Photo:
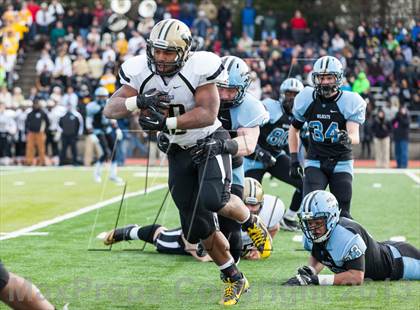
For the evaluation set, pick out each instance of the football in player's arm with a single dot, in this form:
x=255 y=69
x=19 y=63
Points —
x=176 y=93
x=347 y=249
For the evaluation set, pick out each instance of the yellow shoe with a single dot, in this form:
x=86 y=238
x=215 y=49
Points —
x=260 y=236
x=117 y=235
x=233 y=290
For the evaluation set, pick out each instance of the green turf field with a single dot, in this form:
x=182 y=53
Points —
x=126 y=278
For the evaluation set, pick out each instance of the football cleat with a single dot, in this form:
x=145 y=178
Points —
x=288 y=224
x=233 y=290
x=119 y=234
x=260 y=237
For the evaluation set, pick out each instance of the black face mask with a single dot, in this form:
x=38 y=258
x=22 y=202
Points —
x=101 y=102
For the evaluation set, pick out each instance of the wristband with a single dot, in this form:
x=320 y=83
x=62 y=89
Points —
x=131 y=104
x=326 y=279
x=230 y=146
x=294 y=157
x=171 y=123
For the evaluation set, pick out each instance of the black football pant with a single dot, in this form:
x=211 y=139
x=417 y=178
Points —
x=340 y=186
x=199 y=191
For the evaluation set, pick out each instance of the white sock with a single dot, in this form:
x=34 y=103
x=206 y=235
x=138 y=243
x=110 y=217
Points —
x=98 y=167
x=229 y=263
x=291 y=215
x=113 y=172
x=134 y=233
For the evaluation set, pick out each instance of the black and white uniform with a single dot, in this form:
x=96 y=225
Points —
x=270 y=213
x=328 y=161
x=185 y=177
x=350 y=246
x=274 y=139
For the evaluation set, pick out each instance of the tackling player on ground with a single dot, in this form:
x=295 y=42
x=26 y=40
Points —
x=347 y=249
x=171 y=78
x=172 y=241
x=333 y=118
x=271 y=152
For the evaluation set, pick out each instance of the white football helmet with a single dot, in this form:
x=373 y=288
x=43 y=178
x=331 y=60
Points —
x=327 y=65
x=288 y=91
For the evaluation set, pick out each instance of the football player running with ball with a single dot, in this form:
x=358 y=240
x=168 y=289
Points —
x=271 y=152
x=333 y=118
x=347 y=249
x=171 y=78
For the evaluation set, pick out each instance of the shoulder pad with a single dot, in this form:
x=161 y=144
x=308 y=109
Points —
x=274 y=109
x=352 y=106
x=345 y=245
x=208 y=66
x=251 y=112
x=274 y=208
x=131 y=69
x=302 y=102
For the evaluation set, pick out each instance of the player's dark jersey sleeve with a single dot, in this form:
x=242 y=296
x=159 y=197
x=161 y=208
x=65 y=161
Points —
x=357 y=264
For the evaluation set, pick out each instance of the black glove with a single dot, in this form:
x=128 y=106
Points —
x=163 y=142
x=306 y=276
x=296 y=170
x=153 y=99
x=343 y=138
x=208 y=148
x=265 y=157
x=155 y=121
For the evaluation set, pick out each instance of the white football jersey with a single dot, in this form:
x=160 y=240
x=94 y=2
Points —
x=200 y=69
x=271 y=213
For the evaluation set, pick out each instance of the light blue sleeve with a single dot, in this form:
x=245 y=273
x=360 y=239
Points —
x=250 y=113
x=302 y=101
x=274 y=109
x=352 y=106
x=345 y=245
x=307 y=244
x=354 y=248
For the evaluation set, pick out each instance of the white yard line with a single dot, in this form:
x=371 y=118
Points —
x=413 y=176
x=73 y=214
x=34 y=233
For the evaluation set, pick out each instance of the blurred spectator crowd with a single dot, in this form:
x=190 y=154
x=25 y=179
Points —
x=78 y=53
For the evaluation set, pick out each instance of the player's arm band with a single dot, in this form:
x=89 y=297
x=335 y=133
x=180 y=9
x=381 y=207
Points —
x=297 y=124
x=326 y=279
x=231 y=147
x=171 y=123
x=131 y=104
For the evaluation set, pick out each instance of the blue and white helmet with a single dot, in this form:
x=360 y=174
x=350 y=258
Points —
x=290 y=85
x=327 y=65
x=319 y=205
x=101 y=92
x=238 y=77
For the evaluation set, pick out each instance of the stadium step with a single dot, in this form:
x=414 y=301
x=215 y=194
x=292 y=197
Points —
x=27 y=73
